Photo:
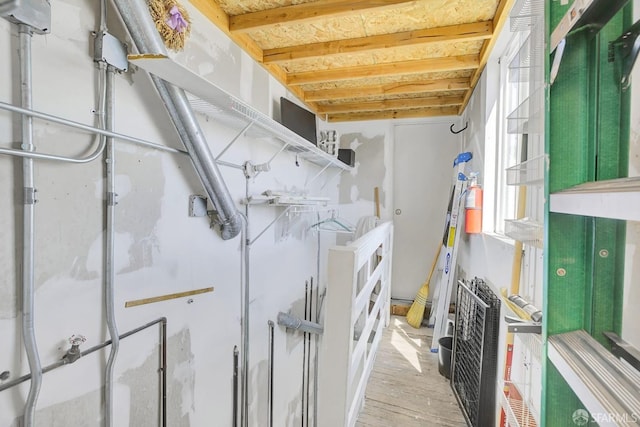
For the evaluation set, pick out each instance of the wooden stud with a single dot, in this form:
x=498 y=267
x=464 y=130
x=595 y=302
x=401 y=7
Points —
x=306 y=12
x=401 y=114
x=391 y=104
x=152 y=300
x=458 y=33
x=399 y=88
x=447 y=63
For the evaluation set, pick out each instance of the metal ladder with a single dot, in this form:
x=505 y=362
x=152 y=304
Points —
x=442 y=294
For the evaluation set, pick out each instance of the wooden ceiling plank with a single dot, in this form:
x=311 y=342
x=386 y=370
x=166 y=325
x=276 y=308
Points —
x=391 y=104
x=399 y=114
x=499 y=20
x=463 y=32
x=447 y=63
x=219 y=18
x=306 y=11
x=388 y=89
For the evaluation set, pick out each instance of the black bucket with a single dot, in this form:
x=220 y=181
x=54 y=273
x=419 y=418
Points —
x=445 y=345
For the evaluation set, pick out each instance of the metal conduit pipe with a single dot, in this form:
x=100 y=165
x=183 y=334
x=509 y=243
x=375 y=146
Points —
x=28 y=230
x=109 y=291
x=293 y=322
x=142 y=29
x=245 y=300
x=76 y=125
x=162 y=369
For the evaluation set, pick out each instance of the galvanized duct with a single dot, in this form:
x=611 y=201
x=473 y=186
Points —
x=136 y=17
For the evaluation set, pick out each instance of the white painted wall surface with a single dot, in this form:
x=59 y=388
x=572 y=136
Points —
x=423 y=176
x=159 y=249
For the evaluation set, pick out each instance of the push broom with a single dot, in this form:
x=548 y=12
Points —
x=416 y=312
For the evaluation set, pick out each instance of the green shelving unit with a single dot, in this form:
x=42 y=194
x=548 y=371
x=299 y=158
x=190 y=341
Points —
x=587 y=140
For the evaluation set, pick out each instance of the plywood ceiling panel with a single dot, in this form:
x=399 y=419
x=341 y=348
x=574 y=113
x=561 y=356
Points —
x=368 y=59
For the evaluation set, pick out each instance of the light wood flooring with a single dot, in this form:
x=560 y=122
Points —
x=405 y=388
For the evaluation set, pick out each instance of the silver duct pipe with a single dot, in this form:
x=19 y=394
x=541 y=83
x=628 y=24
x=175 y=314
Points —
x=28 y=237
x=296 y=323
x=136 y=17
x=109 y=291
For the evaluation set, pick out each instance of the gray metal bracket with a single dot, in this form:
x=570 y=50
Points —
x=627 y=47
x=197 y=206
x=622 y=349
x=516 y=325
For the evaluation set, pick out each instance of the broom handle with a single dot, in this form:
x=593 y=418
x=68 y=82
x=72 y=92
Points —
x=433 y=265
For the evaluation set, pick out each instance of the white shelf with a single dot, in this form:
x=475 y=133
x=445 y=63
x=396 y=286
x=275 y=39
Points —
x=530 y=172
x=213 y=101
x=604 y=384
x=615 y=199
x=526 y=13
x=528 y=116
x=286 y=201
x=526 y=231
x=527 y=63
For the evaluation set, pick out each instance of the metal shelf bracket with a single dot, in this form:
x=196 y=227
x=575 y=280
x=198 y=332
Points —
x=627 y=47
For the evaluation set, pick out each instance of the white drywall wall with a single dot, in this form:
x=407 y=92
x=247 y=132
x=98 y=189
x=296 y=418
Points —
x=159 y=249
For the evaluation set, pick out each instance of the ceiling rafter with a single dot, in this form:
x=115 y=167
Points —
x=439 y=50
x=391 y=104
x=463 y=32
x=446 y=63
x=398 y=114
x=305 y=12
x=409 y=87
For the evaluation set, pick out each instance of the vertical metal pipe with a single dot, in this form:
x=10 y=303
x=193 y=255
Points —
x=235 y=387
x=163 y=373
x=28 y=237
x=309 y=317
x=304 y=348
x=270 y=375
x=245 y=301
x=109 y=291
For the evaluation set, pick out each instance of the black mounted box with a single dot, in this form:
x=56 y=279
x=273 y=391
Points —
x=347 y=155
x=299 y=120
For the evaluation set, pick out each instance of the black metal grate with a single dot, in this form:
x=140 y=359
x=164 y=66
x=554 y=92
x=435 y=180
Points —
x=475 y=350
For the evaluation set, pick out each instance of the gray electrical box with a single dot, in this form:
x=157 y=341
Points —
x=34 y=13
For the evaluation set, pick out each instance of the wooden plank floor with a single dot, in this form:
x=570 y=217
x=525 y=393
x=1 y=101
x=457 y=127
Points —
x=405 y=388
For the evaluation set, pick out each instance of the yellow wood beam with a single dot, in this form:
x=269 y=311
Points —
x=305 y=12
x=391 y=104
x=220 y=19
x=463 y=32
x=399 y=114
x=500 y=18
x=388 y=89
x=431 y=65
x=143 y=301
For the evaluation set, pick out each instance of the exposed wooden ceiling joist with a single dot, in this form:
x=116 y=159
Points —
x=455 y=84
x=368 y=59
x=463 y=32
x=306 y=12
x=391 y=104
x=399 y=114
x=447 y=63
